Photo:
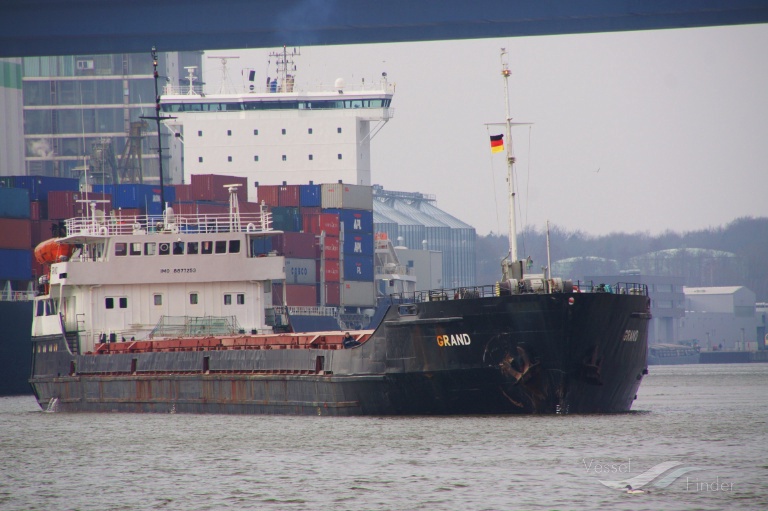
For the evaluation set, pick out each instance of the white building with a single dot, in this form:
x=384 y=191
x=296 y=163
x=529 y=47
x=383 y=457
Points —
x=718 y=316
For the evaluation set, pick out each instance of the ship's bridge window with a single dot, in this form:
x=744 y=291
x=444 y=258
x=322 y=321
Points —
x=234 y=246
x=109 y=303
x=123 y=303
x=221 y=247
x=121 y=249
x=178 y=248
x=135 y=249
x=50 y=308
x=40 y=310
x=165 y=248
x=207 y=248
x=240 y=299
x=158 y=299
x=227 y=299
x=193 y=298
x=192 y=247
x=150 y=248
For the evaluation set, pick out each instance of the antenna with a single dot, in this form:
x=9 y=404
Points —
x=505 y=72
x=158 y=118
x=224 y=71
x=285 y=65
x=191 y=77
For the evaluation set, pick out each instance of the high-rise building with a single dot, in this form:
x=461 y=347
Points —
x=82 y=115
x=11 y=120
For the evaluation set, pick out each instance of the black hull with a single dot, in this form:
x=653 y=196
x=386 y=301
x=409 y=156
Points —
x=497 y=355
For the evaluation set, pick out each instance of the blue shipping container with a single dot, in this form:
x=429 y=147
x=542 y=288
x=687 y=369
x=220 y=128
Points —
x=39 y=186
x=309 y=196
x=358 y=268
x=15 y=264
x=14 y=203
x=137 y=196
x=358 y=243
x=355 y=220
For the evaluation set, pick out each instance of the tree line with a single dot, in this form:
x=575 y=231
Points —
x=732 y=255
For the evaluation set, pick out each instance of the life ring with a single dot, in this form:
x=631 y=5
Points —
x=251 y=227
x=164 y=247
x=103 y=230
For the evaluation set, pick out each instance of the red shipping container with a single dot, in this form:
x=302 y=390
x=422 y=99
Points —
x=42 y=230
x=16 y=233
x=332 y=272
x=310 y=210
x=328 y=222
x=268 y=194
x=332 y=294
x=301 y=295
x=210 y=187
x=250 y=207
x=128 y=212
x=184 y=193
x=200 y=208
x=289 y=196
x=63 y=205
x=330 y=247
x=296 y=244
x=38 y=210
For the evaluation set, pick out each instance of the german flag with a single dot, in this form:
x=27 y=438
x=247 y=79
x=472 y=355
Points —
x=497 y=143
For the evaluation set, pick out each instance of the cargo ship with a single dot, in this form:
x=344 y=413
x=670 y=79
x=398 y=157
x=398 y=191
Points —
x=120 y=327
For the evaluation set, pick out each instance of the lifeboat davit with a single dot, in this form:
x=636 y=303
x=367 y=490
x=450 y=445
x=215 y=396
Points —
x=51 y=251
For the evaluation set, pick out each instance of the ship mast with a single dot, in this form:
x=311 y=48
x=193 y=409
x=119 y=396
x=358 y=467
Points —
x=505 y=72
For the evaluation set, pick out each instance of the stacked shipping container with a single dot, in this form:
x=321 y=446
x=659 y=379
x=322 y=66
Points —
x=25 y=222
x=15 y=236
x=343 y=259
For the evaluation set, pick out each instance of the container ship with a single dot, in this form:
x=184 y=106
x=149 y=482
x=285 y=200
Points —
x=168 y=314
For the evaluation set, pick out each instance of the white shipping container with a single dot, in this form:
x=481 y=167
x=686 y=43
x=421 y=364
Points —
x=359 y=294
x=300 y=271
x=344 y=196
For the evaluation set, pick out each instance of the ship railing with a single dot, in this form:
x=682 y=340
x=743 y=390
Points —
x=470 y=292
x=444 y=294
x=394 y=270
x=155 y=224
x=623 y=288
x=306 y=310
x=17 y=296
x=199 y=90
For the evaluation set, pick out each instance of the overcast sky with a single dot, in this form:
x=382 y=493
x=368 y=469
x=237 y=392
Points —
x=632 y=131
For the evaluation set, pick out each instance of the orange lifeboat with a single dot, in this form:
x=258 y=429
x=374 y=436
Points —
x=51 y=251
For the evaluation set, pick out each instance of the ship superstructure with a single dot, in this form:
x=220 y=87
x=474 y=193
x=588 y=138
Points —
x=117 y=277
x=280 y=132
